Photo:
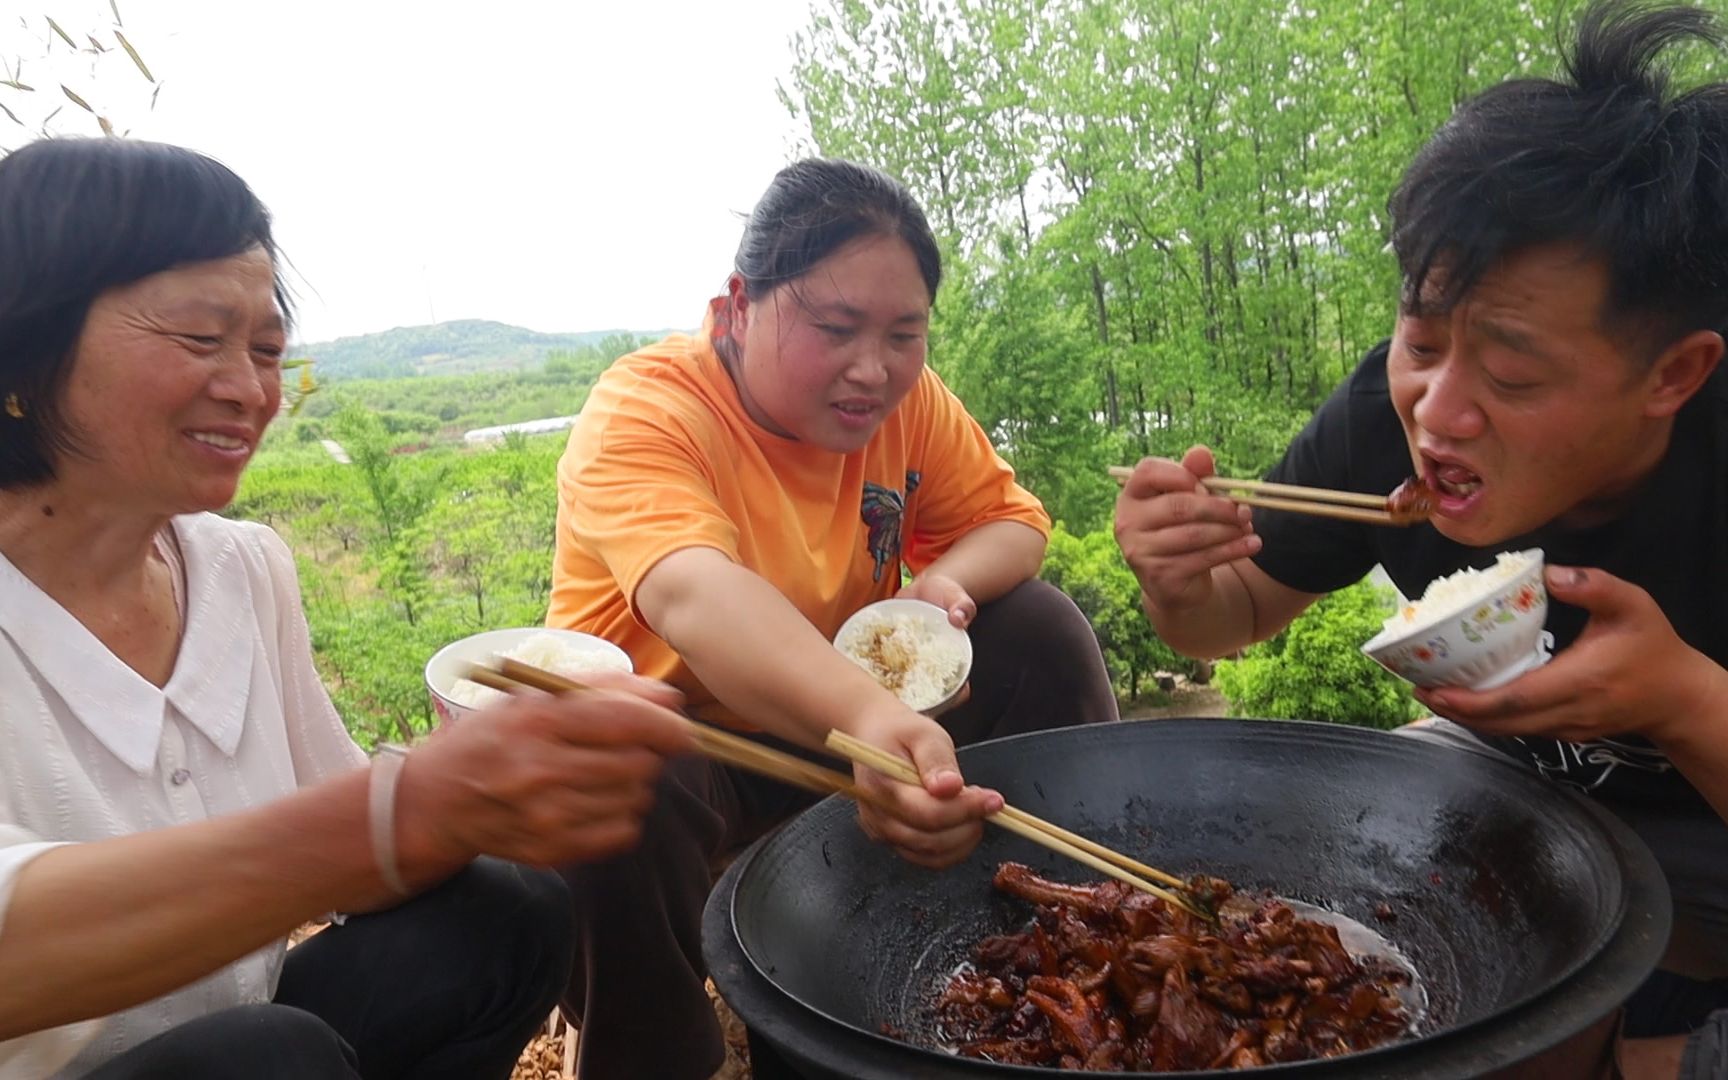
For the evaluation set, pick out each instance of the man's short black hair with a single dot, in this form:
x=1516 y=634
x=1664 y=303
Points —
x=1606 y=158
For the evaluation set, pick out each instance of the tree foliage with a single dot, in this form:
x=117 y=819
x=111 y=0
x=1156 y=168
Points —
x=402 y=553
x=1164 y=218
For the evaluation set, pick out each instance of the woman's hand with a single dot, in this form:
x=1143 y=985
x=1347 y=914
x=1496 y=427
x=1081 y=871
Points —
x=539 y=779
x=935 y=825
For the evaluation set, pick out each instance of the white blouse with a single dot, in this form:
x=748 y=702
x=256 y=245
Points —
x=89 y=749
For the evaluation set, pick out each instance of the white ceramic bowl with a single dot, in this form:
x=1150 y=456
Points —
x=936 y=620
x=1480 y=643
x=447 y=664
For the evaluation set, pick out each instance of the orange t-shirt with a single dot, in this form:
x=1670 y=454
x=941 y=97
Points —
x=664 y=457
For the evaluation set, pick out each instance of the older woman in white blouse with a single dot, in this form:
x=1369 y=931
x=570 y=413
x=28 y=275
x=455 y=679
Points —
x=176 y=791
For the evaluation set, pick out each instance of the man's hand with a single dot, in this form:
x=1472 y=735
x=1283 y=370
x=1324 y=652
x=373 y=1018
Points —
x=1174 y=533
x=1627 y=673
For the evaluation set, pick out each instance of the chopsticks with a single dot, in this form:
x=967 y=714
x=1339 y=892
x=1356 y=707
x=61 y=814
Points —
x=730 y=749
x=1036 y=829
x=711 y=742
x=1321 y=502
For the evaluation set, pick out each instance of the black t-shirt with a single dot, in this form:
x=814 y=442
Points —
x=1672 y=541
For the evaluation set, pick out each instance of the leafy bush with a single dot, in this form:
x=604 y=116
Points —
x=1091 y=571
x=401 y=554
x=1315 y=669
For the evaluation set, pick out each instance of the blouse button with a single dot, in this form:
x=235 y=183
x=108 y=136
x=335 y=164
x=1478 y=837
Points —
x=180 y=776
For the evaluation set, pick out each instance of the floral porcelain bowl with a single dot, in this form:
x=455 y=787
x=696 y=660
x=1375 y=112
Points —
x=1478 y=640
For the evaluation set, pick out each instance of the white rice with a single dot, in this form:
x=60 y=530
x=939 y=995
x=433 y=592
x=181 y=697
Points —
x=548 y=652
x=1445 y=596
x=906 y=656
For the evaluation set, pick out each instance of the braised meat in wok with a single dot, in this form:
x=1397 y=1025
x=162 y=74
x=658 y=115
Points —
x=1112 y=979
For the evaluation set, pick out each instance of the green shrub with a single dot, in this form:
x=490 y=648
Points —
x=1315 y=669
x=1090 y=569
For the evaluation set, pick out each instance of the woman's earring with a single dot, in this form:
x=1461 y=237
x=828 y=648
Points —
x=14 y=407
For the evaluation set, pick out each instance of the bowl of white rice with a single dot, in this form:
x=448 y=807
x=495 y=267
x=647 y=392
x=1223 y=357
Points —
x=1477 y=628
x=569 y=653
x=912 y=649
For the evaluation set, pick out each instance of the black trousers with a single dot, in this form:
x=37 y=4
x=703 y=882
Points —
x=637 y=991
x=450 y=984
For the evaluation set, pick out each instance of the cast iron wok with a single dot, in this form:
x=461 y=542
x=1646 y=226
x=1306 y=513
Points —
x=1501 y=886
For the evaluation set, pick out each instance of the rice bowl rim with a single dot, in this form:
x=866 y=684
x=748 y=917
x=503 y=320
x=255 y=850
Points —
x=934 y=617
x=1386 y=638
x=508 y=637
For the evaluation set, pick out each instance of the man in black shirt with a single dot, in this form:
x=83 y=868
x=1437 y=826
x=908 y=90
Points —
x=1554 y=374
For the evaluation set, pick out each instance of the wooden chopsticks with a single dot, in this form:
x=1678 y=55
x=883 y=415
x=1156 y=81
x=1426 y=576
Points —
x=711 y=742
x=723 y=746
x=1321 y=502
x=1035 y=829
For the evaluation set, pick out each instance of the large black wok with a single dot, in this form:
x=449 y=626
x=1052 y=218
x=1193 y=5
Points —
x=1528 y=912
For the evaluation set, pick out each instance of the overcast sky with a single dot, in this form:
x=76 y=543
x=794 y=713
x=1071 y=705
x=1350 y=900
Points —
x=556 y=165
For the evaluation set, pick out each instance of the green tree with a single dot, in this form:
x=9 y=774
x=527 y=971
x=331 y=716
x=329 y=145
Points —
x=396 y=502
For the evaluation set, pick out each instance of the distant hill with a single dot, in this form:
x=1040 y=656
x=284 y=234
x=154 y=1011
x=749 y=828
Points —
x=447 y=348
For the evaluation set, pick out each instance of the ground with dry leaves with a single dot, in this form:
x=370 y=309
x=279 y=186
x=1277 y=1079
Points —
x=552 y=1054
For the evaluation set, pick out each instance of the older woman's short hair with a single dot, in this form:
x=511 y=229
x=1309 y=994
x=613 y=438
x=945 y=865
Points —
x=79 y=217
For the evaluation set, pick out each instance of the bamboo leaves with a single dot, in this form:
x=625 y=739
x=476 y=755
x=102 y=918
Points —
x=84 y=74
x=133 y=53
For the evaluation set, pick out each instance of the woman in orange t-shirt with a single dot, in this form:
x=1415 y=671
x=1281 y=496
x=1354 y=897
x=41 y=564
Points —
x=726 y=501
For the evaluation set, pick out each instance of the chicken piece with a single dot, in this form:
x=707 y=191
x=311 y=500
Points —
x=1017 y=879
x=1362 y=1003
x=1143 y=915
x=1209 y=892
x=1284 y=1045
x=1412 y=501
x=1241 y=1040
x=1188 y=1033
x=1106 y=1058
x=972 y=988
x=1144 y=1004
x=1089 y=981
x=1271 y=974
x=1010 y=1051
x=1156 y=955
x=1247 y=1058
x=1074 y=1024
x=1230 y=996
